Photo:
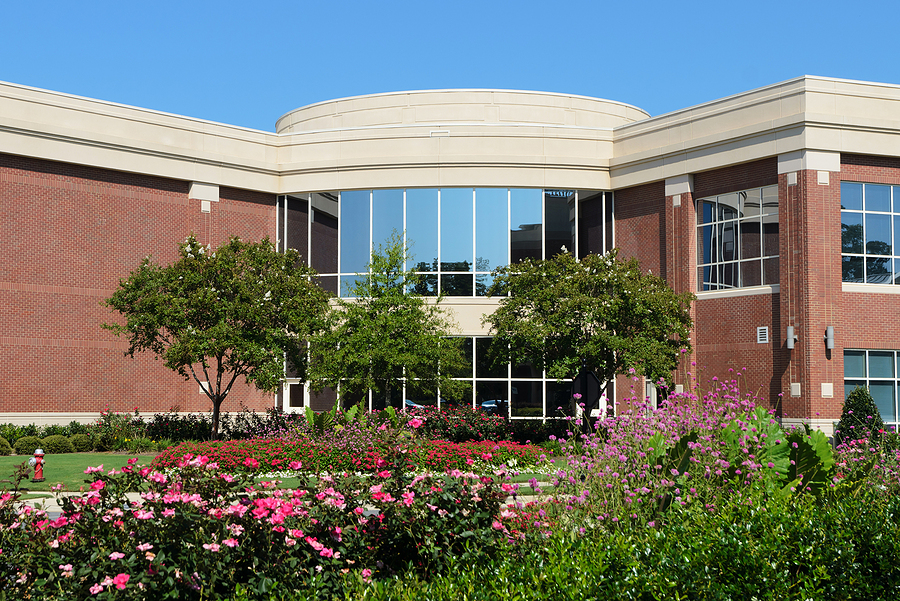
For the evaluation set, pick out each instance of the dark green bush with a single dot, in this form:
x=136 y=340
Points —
x=860 y=418
x=53 y=430
x=78 y=428
x=12 y=432
x=57 y=444
x=26 y=445
x=82 y=443
x=5 y=448
x=179 y=427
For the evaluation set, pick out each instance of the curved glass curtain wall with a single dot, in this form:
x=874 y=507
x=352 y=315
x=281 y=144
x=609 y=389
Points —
x=457 y=236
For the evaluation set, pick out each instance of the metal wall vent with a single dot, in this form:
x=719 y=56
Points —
x=762 y=335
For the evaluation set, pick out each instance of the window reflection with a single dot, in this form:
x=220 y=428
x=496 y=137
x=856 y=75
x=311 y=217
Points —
x=354 y=222
x=422 y=228
x=387 y=215
x=491 y=228
x=559 y=220
x=869 y=233
x=526 y=224
x=456 y=230
x=456 y=236
x=740 y=226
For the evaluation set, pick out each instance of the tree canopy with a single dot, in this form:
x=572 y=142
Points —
x=606 y=314
x=239 y=310
x=386 y=335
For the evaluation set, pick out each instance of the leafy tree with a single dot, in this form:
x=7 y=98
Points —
x=386 y=335
x=215 y=315
x=601 y=313
x=860 y=418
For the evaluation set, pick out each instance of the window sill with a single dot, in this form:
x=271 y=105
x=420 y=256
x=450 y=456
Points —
x=739 y=292
x=870 y=288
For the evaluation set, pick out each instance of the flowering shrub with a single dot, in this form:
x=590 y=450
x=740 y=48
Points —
x=200 y=532
x=703 y=449
x=462 y=423
x=424 y=455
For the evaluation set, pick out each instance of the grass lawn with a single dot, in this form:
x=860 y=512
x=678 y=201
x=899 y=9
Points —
x=67 y=469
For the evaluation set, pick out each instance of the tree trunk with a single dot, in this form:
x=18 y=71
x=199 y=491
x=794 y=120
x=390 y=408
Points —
x=217 y=404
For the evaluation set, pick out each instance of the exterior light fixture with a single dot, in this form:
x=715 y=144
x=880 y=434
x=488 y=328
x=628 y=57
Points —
x=791 y=337
x=829 y=337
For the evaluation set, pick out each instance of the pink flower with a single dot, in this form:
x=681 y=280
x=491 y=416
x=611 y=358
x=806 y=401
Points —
x=132 y=461
x=121 y=580
x=116 y=555
x=167 y=513
x=66 y=569
x=144 y=547
x=415 y=423
x=366 y=573
x=98 y=485
x=326 y=552
x=214 y=547
x=91 y=470
x=295 y=465
x=251 y=462
x=144 y=515
x=97 y=588
x=230 y=542
x=384 y=474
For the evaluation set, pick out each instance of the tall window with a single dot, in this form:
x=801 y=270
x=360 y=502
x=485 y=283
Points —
x=870 y=233
x=737 y=237
x=879 y=371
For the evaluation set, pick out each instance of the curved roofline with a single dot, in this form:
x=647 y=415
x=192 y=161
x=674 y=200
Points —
x=438 y=90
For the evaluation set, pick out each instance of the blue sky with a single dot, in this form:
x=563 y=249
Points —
x=246 y=64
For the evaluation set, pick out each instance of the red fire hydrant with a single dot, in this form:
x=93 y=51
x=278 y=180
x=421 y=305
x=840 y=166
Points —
x=37 y=462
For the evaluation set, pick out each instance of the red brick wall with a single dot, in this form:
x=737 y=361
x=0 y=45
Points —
x=725 y=327
x=70 y=232
x=640 y=218
x=869 y=320
x=737 y=177
x=725 y=339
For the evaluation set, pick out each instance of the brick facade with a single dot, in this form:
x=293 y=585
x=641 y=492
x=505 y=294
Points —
x=70 y=233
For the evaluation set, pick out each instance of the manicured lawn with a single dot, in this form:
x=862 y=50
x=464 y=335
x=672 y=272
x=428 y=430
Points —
x=67 y=469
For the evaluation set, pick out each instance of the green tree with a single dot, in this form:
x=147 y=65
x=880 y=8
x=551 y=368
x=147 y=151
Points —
x=602 y=313
x=215 y=315
x=386 y=335
x=860 y=418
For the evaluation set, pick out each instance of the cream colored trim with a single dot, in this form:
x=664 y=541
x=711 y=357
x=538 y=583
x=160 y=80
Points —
x=44 y=419
x=809 y=159
x=496 y=137
x=206 y=192
x=755 y=291
x=682 y=184
x=853 y=287
x=825 y=425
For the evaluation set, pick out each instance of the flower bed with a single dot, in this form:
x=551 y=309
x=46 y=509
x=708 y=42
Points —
x=424 y=455
x=202 y=533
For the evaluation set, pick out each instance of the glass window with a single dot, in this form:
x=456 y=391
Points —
x=877 y=198
x=491 y=228
x=559 y=220
x=354 y=222
x=456 y=230
x=854 y=364
x=422 y=228
x=878 y=371
x=870 y=240
x=526 y=224
x=737 y=239
x=851 y=196
x=387 y=215
x=527 y=398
